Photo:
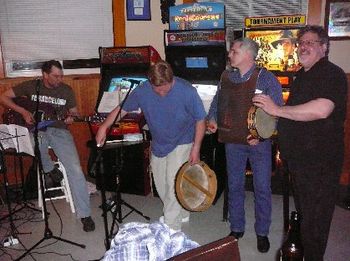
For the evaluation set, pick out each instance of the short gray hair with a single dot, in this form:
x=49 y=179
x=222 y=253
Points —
x=248 y=44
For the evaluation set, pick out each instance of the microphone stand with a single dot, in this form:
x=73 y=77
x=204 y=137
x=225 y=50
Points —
x=39 y=168
x=118 y=200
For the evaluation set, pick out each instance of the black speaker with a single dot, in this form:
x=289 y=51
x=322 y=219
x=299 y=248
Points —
x=130 y=163
x=213 y=154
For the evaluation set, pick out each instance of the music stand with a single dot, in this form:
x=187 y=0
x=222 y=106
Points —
x=39 y=168
x=118 y=202
x=3 y=170
x=17 y=137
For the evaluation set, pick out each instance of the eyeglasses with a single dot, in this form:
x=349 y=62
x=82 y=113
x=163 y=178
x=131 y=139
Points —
x=308 y=43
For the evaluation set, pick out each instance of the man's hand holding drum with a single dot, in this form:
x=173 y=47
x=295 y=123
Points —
x=212 y=126
x=266 y=103
x=252 y=141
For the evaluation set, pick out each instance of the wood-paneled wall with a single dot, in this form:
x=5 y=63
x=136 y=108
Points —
x=86 y=89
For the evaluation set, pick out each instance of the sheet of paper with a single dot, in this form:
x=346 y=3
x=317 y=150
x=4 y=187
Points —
x=108 y=102
x=16 y=137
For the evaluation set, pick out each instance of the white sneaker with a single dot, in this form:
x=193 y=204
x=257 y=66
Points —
x=184 y=220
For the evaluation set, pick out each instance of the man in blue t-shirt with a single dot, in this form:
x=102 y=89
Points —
x=176 y=119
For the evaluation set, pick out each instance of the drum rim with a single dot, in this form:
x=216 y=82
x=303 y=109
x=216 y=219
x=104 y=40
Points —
x=252 y=123
x=212 y=187
x=271 y=125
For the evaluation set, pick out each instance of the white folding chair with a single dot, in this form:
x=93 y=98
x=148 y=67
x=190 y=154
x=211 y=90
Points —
x=64 y=188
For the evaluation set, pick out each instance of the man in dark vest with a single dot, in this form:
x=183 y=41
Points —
x=228 y=113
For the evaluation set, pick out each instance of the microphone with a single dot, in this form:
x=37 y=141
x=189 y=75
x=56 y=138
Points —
x=38 y=80
x=133 y=82
x=37 y=87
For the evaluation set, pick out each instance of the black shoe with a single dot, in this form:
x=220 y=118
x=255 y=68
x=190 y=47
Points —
x=263 y=243
x=53 y=178
x=88 y=224
x=56 y=174
x=49 y=183
x=236 y=235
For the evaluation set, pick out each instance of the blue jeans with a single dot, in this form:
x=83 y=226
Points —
x=62 y=143
x=260 y=160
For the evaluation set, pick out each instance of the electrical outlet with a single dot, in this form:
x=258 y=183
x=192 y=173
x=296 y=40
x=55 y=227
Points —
x=10 y=241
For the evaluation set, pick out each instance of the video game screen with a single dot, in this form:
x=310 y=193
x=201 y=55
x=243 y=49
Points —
x=196 y=62
x=124 y=83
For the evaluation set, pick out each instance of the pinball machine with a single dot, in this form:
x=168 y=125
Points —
x=277 y=53
x=127 y=145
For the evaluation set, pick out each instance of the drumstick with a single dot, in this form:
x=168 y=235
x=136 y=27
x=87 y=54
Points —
x=197 y=186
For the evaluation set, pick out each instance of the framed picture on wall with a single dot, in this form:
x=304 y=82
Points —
x=337 y=19
x=138 y=10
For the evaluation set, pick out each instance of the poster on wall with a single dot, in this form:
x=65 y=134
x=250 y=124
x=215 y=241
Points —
x=337 y=19
x=138 y=10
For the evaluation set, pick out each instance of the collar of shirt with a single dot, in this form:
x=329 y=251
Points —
x=235 y=75
x=316 y=66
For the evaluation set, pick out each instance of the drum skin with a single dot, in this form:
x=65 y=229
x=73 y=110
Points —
x=260 y=124
x=196 y=186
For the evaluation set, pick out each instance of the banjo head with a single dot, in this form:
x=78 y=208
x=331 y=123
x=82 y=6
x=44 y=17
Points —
x=196 y=186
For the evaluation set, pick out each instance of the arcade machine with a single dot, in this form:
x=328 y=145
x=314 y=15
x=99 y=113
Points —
x=122 y=69
x=195 y=46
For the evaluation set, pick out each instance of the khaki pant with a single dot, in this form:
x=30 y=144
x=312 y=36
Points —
x=164 y=173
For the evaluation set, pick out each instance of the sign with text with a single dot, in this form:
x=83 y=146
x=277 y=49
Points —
x=197 y=16
x=283 y=20
x=128 y=55
x=201 y=37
